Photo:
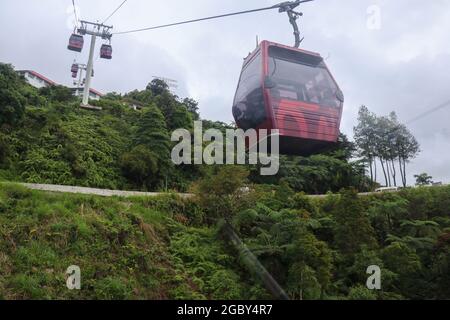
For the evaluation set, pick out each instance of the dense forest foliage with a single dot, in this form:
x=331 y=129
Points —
x=169 y=247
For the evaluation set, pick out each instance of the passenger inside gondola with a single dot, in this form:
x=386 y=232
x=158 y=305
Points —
x=301 y=80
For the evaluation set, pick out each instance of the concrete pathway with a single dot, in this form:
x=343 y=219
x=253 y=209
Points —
x=94 y=191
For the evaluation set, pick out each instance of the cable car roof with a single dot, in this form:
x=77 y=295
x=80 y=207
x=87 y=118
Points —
x=274 y=44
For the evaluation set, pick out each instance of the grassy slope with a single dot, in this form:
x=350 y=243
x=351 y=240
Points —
x=147 y=248
x=134 y=248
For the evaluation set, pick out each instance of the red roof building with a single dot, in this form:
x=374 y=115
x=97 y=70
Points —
x=36 y=79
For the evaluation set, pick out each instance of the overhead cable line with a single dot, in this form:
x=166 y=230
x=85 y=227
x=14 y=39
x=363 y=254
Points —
x=419 y=117
x=435 y=109
x=117 y=9
x=282 y=6
x=75 y=13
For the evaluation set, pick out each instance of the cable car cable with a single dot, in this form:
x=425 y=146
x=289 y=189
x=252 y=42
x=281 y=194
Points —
x=419 y=117
x=435 y=109
x=285 y=6
x=117 y=9
x=75 y=13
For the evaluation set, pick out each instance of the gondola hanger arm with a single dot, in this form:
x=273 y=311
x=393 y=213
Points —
x=293 y=16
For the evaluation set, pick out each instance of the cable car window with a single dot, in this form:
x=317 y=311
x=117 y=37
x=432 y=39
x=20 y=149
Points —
x=248 y=108
x=301 y=77
x=250 y=78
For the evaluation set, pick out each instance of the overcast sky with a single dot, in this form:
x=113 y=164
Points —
x=402 y=66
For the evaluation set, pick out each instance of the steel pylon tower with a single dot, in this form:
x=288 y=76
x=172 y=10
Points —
x=81 y=81
x=94 y=30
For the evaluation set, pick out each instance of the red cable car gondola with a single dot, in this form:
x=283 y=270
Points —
x=291 y=90
x=74 y=68
x=76 y=43
x=106 y=52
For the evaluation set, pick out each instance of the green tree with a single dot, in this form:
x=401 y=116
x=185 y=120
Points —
x=12 y=102
x=181 y=119
x=353 y=228
x=140 y=165
x=157 y=87
x=302 y=283
x=144 y=97
x=423 y=179
x=192 y=106
x=4 y=149
x=152 y=133
x=365 y=135
x=408 y=149
x=421 y=228
x=221 y=194
x=384 y=140
x=385 y=215
x=57 y=93
x=360 y=292
x=317 y=174
x=401 y=259
x=440 y=267
x=11 y=107
x=418 y=243
x=312 y=263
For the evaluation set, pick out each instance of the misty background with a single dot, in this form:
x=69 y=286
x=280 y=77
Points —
x=402 y=66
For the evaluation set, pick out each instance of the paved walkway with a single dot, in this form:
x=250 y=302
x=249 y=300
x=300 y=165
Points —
x=118 y=193
x=93 y=191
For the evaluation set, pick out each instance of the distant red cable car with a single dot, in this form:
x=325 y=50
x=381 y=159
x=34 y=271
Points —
x=74 y=74
x=76 y=43
x=74 y=68
x=106 y=52
x=291 y=90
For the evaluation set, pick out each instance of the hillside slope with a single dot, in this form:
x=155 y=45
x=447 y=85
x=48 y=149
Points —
x=165 y=248
x=126 y=249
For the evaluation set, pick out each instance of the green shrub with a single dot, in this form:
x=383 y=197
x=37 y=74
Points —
x=361 y=293
x=112 y=288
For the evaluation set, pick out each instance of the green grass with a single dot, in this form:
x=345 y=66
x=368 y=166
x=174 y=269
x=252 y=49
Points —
x=126 y=248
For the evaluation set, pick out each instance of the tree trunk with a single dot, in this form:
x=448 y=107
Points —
x=388 y=215
x=376 y=169
x=388 y=169
x=384 y=171
x=371 y=169
x=301 y=286
x=404 y=172
x=401 y=170
x=394 y=172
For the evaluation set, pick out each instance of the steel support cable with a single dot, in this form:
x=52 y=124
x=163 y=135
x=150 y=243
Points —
x=75 y=13
x=114 y=12
x=286 y=6
x=419 y=117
